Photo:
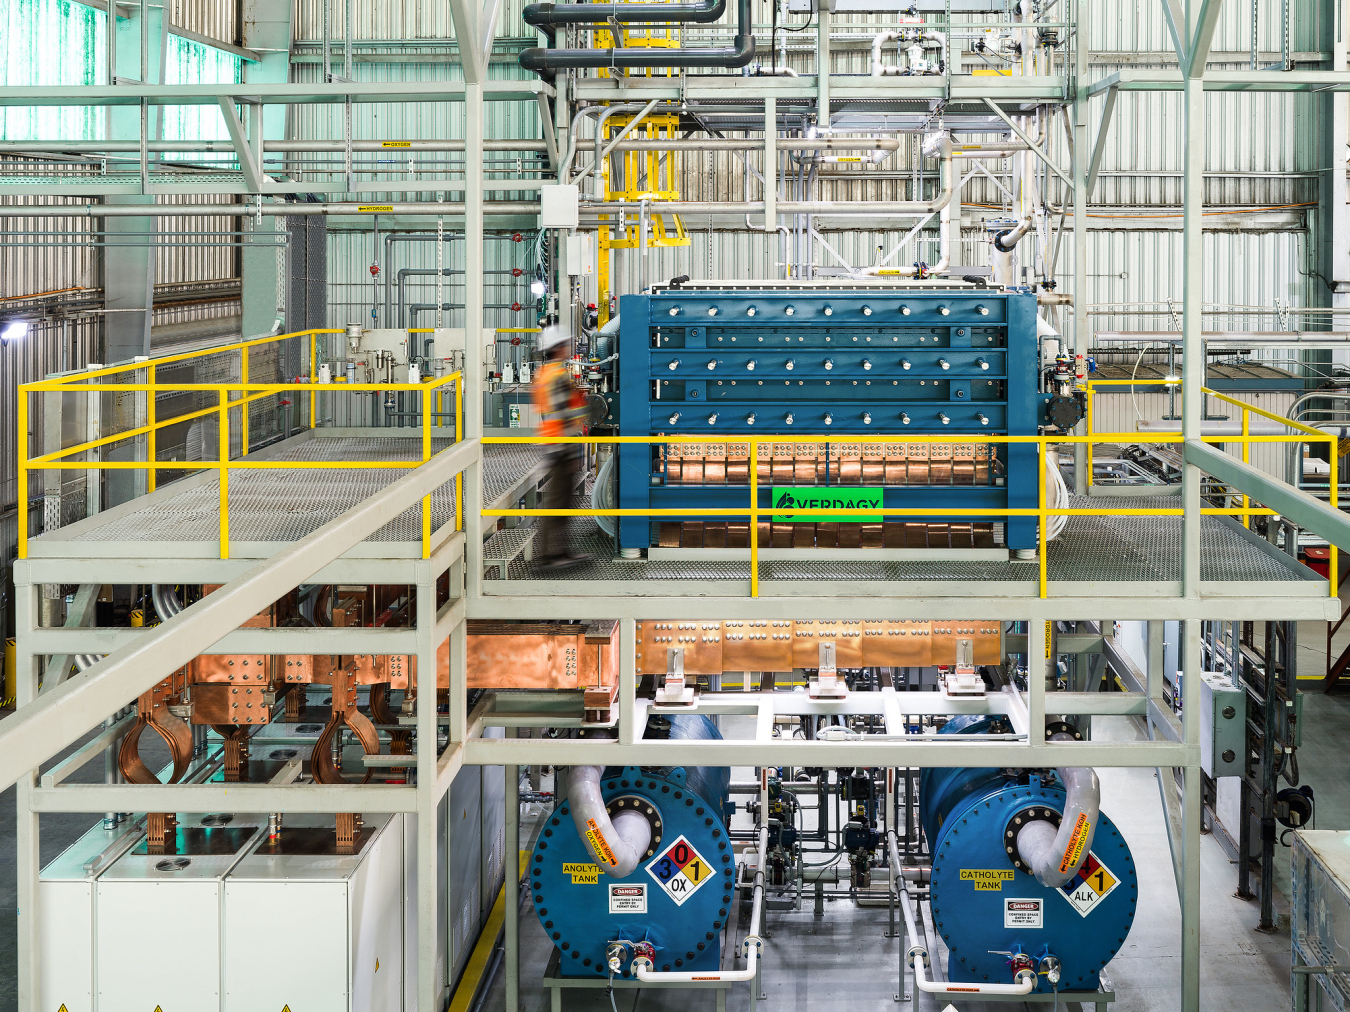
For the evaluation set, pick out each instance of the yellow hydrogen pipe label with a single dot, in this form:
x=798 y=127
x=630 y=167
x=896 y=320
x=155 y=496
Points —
x=583 y=874
x=987 y=879
x=1077 y=842
x=375 y=208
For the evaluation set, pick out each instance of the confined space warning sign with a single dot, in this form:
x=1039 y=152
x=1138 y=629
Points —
x=987 y=879
x=1090 y=886
x=680 y=870
x=1023 y=913
x=627 y=899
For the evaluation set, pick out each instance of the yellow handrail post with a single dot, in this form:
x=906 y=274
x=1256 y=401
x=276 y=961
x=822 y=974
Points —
x=1087 y=411
x=426 y=455
x=151 y=447
x=243 y=408
x=21 y=437
x=1041 y=523
x=459 y=477
x=754 y=518
x=224 y=471
x=1246 y=459
x=313 y=375
x=1333 y=563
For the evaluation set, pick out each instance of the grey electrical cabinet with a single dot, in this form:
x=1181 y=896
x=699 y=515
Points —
x=1223 y=725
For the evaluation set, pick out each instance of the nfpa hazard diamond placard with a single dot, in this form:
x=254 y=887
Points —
x=680 y=870
x=1093 y=883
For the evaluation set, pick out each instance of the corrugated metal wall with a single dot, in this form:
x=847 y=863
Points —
x=215 y=19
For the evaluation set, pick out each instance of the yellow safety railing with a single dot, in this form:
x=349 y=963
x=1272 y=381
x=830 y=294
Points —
x=230 y=396
x=1301 y=434
x=753 y=512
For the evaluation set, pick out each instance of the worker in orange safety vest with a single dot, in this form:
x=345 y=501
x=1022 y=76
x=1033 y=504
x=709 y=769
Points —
x=562 y=412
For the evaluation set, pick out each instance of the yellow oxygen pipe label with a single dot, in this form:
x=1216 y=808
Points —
x=987 y=879
x=395 y=144
x=599 y=844
x=582 y=874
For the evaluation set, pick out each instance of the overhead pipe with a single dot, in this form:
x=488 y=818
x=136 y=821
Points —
x=890 y=208
x=226 y=147
x=92 y=210
x=755 y=144
x=880 y=69
x=545 y=62
x=546 y=17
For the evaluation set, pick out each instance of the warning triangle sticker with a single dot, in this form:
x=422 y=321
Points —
x=286 y=1008
x=377 y=964
x=62 y=1008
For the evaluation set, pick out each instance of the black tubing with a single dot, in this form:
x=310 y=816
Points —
x=541 y=15
x=546 y=61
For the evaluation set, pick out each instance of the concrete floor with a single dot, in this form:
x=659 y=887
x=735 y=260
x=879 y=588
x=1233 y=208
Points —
x=810 y=963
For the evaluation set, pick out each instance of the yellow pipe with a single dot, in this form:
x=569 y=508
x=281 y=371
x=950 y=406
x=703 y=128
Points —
x=459 y=475
x=21 y=437
x=151 y=445
x=1088 y=413
x=314 y=376
x=243 y=413
x=224 y=457
x=1246 y=456
x=754 y=518
x=1041 y=526
x=955 y=511
x=1333 y=568
x=426 y=455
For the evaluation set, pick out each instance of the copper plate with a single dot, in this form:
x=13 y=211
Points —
x=691 y=534
x=808 y=635
x=758 y=645
x=714 y=534
x=738 y=535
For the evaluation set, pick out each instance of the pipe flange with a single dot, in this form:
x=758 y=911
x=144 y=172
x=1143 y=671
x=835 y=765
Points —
x=1037 y=813
x=643 y=806
x=1054 y=727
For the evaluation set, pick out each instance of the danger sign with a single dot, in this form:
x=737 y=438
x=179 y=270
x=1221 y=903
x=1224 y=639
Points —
x=627 y=899
x=680 y=870
x=1023 y=913
x=1090 y=886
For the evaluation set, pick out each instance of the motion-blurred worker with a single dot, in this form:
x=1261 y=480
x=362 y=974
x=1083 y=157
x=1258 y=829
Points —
x=562 y=410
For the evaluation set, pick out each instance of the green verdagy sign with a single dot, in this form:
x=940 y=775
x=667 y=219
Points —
x=787 y=501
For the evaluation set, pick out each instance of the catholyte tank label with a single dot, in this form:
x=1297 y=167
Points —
x=1090 y=886
x=987 y=879
x=680 y=870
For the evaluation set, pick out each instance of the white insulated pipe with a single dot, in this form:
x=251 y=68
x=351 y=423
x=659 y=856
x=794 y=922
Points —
x=642 y=966
x=880 y=69
x=917 y=954
x=1055 y=855
x=617 y=844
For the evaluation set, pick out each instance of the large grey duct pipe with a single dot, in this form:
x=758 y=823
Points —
x=546 y=61
x=92 y=210
x=546 y=16
x=167 y=335
x=617 y=844
x=1055 y=856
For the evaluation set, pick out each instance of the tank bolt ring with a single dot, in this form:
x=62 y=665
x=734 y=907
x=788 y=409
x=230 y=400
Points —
x=1020 y=819
x=643 y=806
x=1054 y=727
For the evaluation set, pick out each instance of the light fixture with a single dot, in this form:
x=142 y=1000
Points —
x=537 y=287
x=14 y=330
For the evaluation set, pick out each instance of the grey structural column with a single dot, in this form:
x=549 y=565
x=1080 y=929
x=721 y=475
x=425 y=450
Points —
x=427 y=871
x=1192 y=815
x=266 y=28
x=473 y=325
x=27 y=852
x=511 y=886
x=1082 y=336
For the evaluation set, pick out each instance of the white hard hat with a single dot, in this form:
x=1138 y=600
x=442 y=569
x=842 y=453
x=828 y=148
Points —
x=551 y=337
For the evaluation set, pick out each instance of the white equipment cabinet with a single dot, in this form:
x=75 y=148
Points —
x=315 y=930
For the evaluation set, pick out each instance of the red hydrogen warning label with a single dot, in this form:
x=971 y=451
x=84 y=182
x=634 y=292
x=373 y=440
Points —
x=1090 y=886
x=680 y=870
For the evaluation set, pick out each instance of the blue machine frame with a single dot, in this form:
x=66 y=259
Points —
x=740 y=362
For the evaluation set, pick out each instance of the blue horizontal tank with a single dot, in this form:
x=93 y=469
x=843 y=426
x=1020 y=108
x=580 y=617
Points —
x=984 y=904
x=679 y=896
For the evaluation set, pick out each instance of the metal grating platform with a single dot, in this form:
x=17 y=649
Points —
x=270 y=507
x=1144 y=552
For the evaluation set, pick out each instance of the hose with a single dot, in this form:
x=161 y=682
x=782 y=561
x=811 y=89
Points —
x=617 y=844
x=165 y=600
x=602 y=496
x=1057 y=494
x=1055 y=856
